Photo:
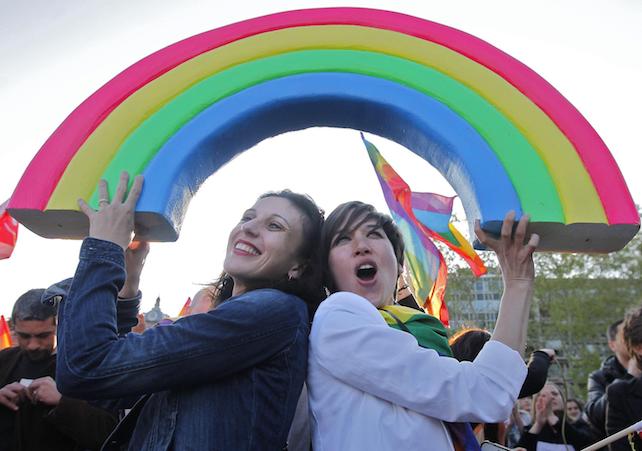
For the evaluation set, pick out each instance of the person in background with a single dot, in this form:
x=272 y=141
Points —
x=614 y=367
x=34 y=415
x=624 y=396
x=466 y=345
x=548 y=428
x=468 y=342
x=519 y=421
x=573 y=410
x=405 y=296
x=576 y=416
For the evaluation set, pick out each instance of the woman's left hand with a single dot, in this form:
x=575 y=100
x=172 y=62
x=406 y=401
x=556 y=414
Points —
x=515 y=258
x=114 y=221
x=518 y=272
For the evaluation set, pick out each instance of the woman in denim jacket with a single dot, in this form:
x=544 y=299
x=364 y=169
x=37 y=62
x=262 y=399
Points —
x=228 y=379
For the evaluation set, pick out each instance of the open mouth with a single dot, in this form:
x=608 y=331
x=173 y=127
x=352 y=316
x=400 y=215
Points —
x=366 y=272
x=246 y=248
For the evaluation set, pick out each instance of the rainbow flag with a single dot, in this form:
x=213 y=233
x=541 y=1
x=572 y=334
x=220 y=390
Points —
x=5 y=334
x=420 y=218
x=8 y=232
x=433 y=211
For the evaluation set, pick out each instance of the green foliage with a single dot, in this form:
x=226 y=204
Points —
x=576 y=297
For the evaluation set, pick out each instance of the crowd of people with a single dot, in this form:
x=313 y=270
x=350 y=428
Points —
x=299 y=344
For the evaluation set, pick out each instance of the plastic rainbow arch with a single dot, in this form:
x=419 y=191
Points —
x=502 y=136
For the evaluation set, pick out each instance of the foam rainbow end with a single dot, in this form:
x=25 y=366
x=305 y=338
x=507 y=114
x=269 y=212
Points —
x=501 y=135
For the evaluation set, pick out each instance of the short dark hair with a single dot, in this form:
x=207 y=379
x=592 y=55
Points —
x=29 y=307
x=346 y=218
x=611 y=331
x=308 y=286
x=632 y=332
x=577 y=402
x=467 y=343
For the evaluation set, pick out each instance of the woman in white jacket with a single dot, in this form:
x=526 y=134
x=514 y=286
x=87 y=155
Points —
x=379 y=376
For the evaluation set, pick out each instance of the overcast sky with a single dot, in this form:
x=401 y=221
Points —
x=54 y=54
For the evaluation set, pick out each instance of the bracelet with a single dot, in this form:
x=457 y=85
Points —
x=133 y=298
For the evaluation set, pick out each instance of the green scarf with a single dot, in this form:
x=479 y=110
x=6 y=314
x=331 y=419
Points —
x=431 y=334
x=428 y=330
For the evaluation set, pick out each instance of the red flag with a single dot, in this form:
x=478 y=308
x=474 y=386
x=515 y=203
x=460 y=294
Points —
x=8 y=232
x=185 y=310
x=5 y=334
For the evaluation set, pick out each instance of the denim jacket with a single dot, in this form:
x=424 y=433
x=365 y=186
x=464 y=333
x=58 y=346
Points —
x=228 y=379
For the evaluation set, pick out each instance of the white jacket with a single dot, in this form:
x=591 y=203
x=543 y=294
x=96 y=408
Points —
x=372 y=387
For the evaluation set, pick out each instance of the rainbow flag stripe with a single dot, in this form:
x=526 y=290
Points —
x=420 y=218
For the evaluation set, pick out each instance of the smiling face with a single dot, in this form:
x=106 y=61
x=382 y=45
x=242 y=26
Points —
x=573 y=410
x=363 y=261
x=264 y=246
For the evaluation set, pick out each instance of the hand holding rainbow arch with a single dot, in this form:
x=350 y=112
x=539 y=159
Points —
x=503 y=137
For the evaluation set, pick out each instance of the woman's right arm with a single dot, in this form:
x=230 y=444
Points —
x=93 y=362
x=351 y=341
x=518 y=272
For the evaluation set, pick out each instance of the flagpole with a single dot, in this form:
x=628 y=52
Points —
x=610 y=439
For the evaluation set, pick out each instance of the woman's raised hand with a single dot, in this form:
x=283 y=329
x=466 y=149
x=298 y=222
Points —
x=114 y=221
x=515 y=258
x=518 y=271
